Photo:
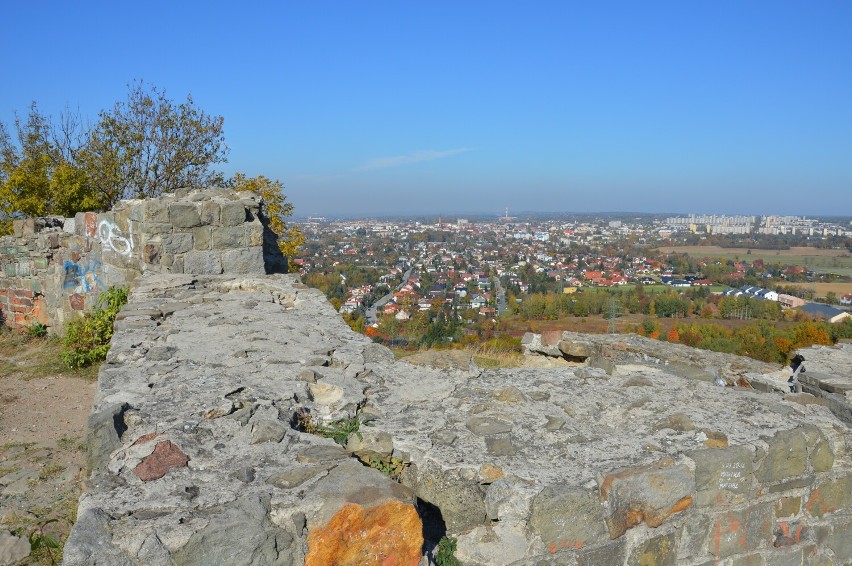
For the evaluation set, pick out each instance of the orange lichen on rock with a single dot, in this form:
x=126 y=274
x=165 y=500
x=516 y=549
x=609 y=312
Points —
x=390 y=534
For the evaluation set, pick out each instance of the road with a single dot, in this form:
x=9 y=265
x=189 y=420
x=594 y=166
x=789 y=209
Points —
x=371 y=310
x=501 y=296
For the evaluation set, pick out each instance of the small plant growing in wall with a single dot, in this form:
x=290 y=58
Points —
x=87 y=339
x=388 y=465
x=37 y=330
x=445 y=554
x=338 y=430
x=45 y=543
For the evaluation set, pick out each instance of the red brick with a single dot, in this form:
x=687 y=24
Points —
x=40 y=310
x=91 y=220
x=21 y=301
x=24 y=293
x=77 y=301
x=21 y=308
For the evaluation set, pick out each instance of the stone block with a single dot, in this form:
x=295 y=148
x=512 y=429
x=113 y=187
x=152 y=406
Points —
x=389 y=533
x=230 y=237
x=365 y=518
x=243 y=261
x=649 y=494
x=233 y=214
x=743 y=531
x=178 y=243
x=566 y=516
x=23 y=227
x=201 y=238
x=210 y=213
x=294 y=477
x=788 y=507
x=786 y=457
x=201 y=263
x=156 y=211
x=151 y=253
x=460 y=500
x=789 y=533
x=155 y=229
x=573 y=349
x=105 y=428
x=821 y=455
x=659 y=551
x=750 y=559
x=238 y=533
x=840 y=540
x=369 y=442
x=610 y=554
x=790 y=484
x=184 y=215
x=267 y=431
x=254 y=232
x=720 y=472
x=12 y=548
x=830 y=496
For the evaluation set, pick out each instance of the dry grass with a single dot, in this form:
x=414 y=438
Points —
x=26 y=357
x=821 y=289
x=490 y=357
x=484 y=356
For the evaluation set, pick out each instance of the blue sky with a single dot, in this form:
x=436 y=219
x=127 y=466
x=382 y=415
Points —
x=470 y=107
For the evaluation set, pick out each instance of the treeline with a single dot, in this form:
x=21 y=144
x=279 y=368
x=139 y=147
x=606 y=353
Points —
x=760 y=340
x=334 y=286
x=668 y=303
x=141 y=148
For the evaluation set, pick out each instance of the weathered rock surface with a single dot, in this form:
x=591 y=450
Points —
x=12 y=548
x=642 y=462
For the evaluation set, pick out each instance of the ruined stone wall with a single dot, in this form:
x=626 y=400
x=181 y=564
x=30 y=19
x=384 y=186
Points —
x=199 y=452
x=52 y=268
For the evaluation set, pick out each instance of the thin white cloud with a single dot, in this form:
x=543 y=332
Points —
x=413 y=157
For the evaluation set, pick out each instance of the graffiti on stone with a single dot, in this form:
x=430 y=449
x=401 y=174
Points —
x=82 y=278
x=112 y=237
x=732 y=476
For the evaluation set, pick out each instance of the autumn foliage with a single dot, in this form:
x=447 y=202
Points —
x=760 y=340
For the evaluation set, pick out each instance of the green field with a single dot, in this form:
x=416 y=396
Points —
x=813 y=259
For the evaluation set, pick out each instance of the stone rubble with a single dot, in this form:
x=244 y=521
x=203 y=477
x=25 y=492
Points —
x=622 y=459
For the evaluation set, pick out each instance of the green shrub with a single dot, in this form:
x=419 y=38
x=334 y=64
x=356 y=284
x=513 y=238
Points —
x=87 y=339
x=446 y=554
x=37 y=330
x=338 y=430
x=388 y=465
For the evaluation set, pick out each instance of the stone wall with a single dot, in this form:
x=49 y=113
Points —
x=52 y=268
x=199 y=452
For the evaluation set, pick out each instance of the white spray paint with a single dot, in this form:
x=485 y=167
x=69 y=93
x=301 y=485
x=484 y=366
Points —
x=110 y=237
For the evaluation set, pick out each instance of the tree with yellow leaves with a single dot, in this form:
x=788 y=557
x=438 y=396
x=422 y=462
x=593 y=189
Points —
x=290 y=237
